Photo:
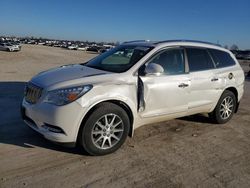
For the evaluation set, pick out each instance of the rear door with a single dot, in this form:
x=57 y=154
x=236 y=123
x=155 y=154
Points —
x=205 y=83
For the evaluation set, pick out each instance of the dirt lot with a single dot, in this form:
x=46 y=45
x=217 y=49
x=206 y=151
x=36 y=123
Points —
x=186 y=152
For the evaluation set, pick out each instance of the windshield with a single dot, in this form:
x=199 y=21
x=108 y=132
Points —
x=119 y=59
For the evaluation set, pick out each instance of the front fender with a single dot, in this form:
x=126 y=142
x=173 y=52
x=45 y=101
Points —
x=125 y=93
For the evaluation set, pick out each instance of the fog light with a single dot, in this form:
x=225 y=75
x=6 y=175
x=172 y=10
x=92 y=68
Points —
x=53 y=128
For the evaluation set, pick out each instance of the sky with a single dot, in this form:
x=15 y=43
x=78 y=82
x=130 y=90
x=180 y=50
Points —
x=225 y=22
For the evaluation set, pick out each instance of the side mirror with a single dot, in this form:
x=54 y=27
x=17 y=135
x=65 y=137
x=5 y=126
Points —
x=154 y=69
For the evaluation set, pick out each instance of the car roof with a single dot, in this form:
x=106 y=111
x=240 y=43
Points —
x=182 y=42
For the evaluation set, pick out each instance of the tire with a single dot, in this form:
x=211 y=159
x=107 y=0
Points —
x=105 y=130
x=225 y=108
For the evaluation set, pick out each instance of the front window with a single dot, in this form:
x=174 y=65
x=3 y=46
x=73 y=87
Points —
x=172 y=61
x=119 y=59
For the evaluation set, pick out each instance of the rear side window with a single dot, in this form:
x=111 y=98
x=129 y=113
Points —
x=199 y=59
x=221 y=59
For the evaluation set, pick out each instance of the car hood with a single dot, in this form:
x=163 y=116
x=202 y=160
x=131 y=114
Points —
x=65 y=73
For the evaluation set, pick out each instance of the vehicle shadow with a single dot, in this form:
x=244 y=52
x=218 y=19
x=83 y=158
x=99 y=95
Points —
x=247 y=78
x=13 y=130
x=198 y=118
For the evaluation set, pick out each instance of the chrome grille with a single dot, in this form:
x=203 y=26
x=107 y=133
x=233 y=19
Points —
x=32 y=93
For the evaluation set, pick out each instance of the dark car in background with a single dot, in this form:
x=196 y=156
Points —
x=242 y=54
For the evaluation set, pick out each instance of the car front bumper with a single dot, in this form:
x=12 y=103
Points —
x=56 y=123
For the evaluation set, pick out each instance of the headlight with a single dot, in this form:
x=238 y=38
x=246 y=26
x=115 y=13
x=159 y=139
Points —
x=66 y=95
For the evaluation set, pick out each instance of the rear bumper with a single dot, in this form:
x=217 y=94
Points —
x=240 y=90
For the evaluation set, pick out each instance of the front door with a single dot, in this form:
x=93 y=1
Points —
x=166 y=94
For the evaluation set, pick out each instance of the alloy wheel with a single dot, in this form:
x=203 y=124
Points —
x=226 y=107
x=107 y=131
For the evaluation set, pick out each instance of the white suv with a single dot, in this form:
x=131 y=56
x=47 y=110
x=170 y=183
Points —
x=99 y=103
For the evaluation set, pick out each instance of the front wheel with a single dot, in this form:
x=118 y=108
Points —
x=225 y=108
x=105 y=130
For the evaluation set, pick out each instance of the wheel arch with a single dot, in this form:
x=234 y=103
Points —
x=235 y=92
x=120 y=103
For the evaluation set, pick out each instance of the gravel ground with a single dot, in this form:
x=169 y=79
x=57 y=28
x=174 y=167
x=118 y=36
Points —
x=186 y=152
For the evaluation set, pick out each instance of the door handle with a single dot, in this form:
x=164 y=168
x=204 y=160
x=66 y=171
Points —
x=183 y=85
x=214 y=79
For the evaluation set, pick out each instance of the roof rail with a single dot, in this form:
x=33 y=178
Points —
x=133 y=41
x=184 y=40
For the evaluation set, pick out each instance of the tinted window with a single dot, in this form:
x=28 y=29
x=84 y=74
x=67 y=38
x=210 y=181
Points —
x=199 y=59
x=172 y=61
x=221 y=59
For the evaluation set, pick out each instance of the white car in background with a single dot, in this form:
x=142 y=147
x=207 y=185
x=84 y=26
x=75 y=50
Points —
x=99 y=103
x=72 y=47
x=16 y=45
x=9 y=47
x=82 y=48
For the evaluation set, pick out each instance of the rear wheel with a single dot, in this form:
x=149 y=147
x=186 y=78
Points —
x=225 y=108
x=105 y=130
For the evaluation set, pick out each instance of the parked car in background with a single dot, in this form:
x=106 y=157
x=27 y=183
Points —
x=102 y=50
x=57 y=45
x=16 y=44
x=82 y=47
x=93 y=49
x=72 y=47
x=242 y=54
x=247 y=57
x=9 y=47
x=99 y=103
x=41 y=43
